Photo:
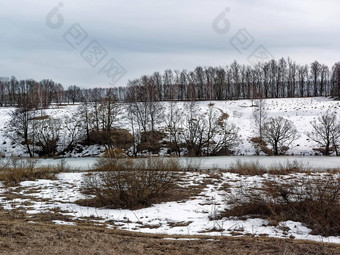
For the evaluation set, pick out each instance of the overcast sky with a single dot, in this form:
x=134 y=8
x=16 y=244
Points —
x=144 y=36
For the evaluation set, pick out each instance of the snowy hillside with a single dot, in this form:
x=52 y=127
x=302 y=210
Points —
x=299 y=110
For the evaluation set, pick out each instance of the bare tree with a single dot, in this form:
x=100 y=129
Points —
x=208 y=133
x=84 y=112
x=22 y=128
x=174 y=127
x=109 y=109
x=133 y=127
x=279 y=133
x=102 y=119
x=48 y=136
x=73 y=93
x=73 y=132
x=315 y=68
x=303 y=79
x=260 y=115
x=324 y=73
x=326 y=133
x=220 y=136
x=194 y=129
x=59 y=93
x=336 y=80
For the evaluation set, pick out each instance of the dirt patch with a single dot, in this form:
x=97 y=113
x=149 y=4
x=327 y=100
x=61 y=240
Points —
x=19 y=236
x=179 y=224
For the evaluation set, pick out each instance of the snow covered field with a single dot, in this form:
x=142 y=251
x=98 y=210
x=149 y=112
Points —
x=195 y=216
x=299 y=110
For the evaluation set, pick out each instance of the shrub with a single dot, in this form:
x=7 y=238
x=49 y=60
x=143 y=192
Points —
x=261 y=145
x=151 y=141
x=128 y=188
x=130 y=183
x=314 y=202
x=120 y=138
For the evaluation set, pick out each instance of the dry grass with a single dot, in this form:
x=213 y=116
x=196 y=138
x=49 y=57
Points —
x=43 y=117
x=254 y=168
x=17 y=170
x=312 y=201
x=17 y=236
x=108 y=163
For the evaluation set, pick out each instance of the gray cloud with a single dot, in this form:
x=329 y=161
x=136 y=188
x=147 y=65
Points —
x=152 y=35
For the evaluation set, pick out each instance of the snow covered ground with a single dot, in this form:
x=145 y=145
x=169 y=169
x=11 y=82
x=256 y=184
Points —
x=299 y=110
x=195 y=216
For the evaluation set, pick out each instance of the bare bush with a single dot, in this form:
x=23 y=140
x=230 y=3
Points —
x=130 y=183
x=48 y=136
x=116 y=163
x=312 y=201
x=261 y=145
x=151 y=141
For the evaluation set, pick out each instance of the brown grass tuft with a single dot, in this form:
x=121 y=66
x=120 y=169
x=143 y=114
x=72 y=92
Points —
x=314 y=202
x=17 y=170
x=254 y=168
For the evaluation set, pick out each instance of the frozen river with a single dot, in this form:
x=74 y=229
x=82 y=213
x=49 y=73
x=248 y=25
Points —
x=222 y=162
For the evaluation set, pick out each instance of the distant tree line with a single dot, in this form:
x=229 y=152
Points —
x=274 y=79
x=32 y=94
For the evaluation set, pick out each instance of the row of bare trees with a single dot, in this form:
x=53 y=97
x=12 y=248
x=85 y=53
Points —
x=29 y=93
x=184 y=129
x=273 y=79
x=34 y=95
x=180 y=129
